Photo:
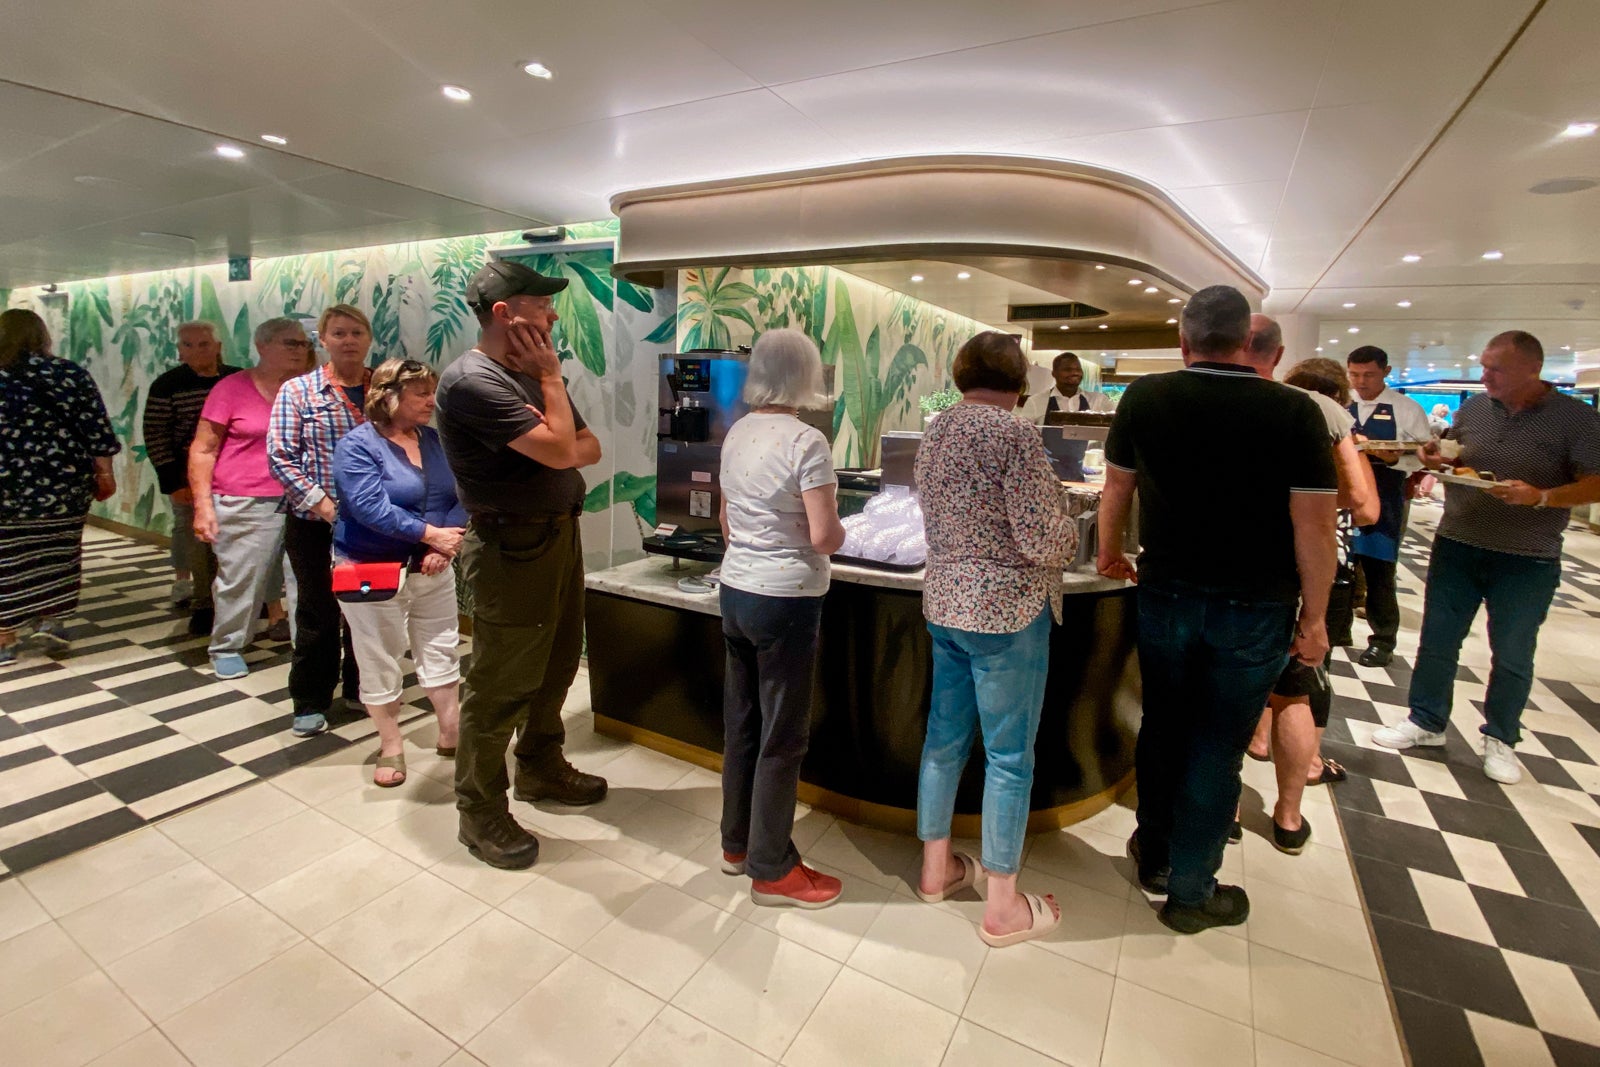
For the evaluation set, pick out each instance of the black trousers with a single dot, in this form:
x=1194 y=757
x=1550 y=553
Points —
x=1383 y=606
x=318 y=624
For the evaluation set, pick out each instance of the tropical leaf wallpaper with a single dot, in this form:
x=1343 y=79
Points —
x=887 y=348
x=122 y=329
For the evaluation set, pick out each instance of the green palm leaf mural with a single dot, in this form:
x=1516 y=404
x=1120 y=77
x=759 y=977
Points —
x=706 y=302
x=578 y=334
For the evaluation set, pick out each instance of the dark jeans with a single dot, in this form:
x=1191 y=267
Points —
x=766 y=715
x=1517 y=591
x=319 y=648
x=1208 y=664
x=1383 y=606
x=527 y=640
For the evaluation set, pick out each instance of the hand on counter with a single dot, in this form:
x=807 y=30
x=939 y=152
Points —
x=1117 y=565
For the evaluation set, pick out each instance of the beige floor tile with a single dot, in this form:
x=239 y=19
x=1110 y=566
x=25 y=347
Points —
x=277 y=851
x=698 y=792
x=1148 y=1028
x=848 y=1027
x=377 y=1032
x=1092 y=923
x=580 y=1015
x=1404 y=804
x=929 y=952
x=1116 y=820
x=1451 y=908
x=758 y=989
x=72 y=1025
x=324 y=780
x=661 y=940
x=882 y=858
x=1276 y=1052
x=1319 y=930
x=210 y=826
x=1504 y=1044
x=1052 y=1004
x=149 y=1049
x=464 y=1059
x=1209 y=970
x=111 y=928
x=168 y=975
x=1352 y=1014
x=383 y=938
x=464 y=984
x=1558 y=1002
x=653 y=838
x=256 y=1018
x=676 y=1039
x=201 y=789
x=37 y=963
x=492 y=885
x=640 y=768
x=57 y=818
x=1321 y=870
x=1086 y=857
x=1482 y=863
x=700 y=875
x=425 y=835
x=834 y=931
x=96 y=873
x=973 y=1046
x=19 y=911
x=577 y=897
x=369 y=809
x=333 y=887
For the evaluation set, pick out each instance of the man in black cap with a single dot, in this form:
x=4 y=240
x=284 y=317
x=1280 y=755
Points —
x=515 y=444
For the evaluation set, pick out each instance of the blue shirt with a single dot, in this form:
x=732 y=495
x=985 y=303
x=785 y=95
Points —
x=385 y=503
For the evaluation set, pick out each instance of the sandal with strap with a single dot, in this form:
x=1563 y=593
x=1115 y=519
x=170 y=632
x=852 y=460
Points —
x=1044 y=920
x=1332 y=772
x=971 y=872
x=396 y=762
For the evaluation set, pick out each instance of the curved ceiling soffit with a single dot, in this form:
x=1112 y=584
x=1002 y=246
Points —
x=929 y=207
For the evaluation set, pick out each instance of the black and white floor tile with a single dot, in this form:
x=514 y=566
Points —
x=132 y=725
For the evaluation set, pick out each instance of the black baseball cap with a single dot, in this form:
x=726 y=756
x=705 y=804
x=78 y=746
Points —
x=502 y=279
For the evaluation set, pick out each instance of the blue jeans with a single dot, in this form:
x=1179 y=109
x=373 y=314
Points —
x=993 y=683
x=1208 y=664
x=1517 y=591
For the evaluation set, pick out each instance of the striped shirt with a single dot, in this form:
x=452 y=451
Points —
x=1554 y=443
x=309 y=416
x=171 y=413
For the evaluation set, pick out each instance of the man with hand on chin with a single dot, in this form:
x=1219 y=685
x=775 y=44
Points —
x=1500 y=546
x=515 y=444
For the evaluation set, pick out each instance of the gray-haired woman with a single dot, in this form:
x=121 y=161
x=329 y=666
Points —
x=781 y=521
x=235 y=496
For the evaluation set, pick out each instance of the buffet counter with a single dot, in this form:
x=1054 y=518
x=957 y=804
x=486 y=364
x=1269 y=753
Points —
x=656 y=663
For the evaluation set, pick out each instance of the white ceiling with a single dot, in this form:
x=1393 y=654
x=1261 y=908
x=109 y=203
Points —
x=1319 y=141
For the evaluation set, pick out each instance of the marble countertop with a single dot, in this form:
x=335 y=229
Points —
x=653 y=579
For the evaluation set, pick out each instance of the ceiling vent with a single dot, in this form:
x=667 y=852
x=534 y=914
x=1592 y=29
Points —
x=1053 y=312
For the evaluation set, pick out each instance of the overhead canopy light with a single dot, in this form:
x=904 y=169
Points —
x=272 y=138
x=1580 y=129
x=1151 y=289
x=1493 y=253
x=963 y=275
x=916 y=277
x=228 y=151
x=456 y=93
x=1174 y=300
x=1355 y=329
x=1103 y=326
x=1349 y=304
x=1410 y=257
x=538 y=70
x=1135 y=281
x=1403 y=304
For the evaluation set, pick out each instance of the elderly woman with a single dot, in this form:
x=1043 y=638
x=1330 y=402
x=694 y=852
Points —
x=780 y=520
x=56 y=446
x=398 y=504
x=998 y=541
x=236 y=499
x=310 y=415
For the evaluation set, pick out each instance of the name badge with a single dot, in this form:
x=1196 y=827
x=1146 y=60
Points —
x=1378 y=415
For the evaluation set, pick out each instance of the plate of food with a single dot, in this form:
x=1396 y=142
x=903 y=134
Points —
x=1468 y=477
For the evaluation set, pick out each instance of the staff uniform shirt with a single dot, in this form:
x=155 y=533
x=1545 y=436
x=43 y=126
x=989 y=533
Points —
x=1082 y=400
x=1554 y=443
x=1211 y=521
x=768 y=461
x=309 y=416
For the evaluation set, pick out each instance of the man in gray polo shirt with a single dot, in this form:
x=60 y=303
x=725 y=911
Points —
x=1500 y=546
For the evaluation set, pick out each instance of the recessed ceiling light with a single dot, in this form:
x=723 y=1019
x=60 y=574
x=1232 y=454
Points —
x=1151 y=289
x=1350 y=304
x=1410 y=257
x=964 y=274
x=1174 y=300
x=1135 y=281
x=1319 y=348
x=1430 y=366
x=1493 y=253
x=1124 y=353
x=1354 y=329
x=1099 y=266
x=1403 y=304
x=1333 y=340
x=1472 y=356
x=1064 y=326
x=456 y=93
x=1103 y=326
x=1580 y=129
x=538 y=70
x=272 y=138
x=228 y=151
x=1566 y=348
x=916 y=277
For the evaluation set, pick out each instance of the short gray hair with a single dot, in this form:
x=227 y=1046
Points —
x=785 y=370
x=1267 y=340
x=200 y=324
x=1216 y=321
x=1521 y=342
x=273 y=329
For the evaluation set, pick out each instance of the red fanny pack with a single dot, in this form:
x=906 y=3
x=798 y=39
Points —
x=368 y=583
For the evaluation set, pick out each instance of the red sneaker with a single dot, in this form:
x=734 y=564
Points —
x=802 y=887
x=733 y=862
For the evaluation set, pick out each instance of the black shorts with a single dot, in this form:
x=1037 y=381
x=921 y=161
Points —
x=1310 y=683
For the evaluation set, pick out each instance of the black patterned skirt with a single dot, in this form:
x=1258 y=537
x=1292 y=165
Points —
x=41 y=568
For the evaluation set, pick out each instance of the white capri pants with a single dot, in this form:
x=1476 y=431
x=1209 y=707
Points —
x=422 y=617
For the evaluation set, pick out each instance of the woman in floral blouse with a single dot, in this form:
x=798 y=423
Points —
x=998 y=540
x=56 y=445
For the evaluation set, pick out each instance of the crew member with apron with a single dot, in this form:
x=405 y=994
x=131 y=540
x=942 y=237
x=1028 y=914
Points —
x=1066 y=455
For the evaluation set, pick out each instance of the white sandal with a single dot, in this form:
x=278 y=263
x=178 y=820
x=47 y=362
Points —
x=971 y=875
x=1044 y=920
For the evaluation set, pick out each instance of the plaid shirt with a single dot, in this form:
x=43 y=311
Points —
x=309 y=416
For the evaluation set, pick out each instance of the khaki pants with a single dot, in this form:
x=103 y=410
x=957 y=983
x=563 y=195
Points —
x=527 y=639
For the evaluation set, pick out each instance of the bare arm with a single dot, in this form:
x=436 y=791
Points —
x=202 y=464
x=1316 y=551
x=1572 y=495
x=587 y=448
x=722 y=517
x=1358 y=488
x=1116 y=501
x=822 y=516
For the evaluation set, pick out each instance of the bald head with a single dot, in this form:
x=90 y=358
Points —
x=1265 y=346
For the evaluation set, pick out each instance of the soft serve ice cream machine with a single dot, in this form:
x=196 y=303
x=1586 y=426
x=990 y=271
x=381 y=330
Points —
x=700 y=396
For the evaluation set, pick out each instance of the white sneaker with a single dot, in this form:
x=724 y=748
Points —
x=1406 y=733
x=1500 y=762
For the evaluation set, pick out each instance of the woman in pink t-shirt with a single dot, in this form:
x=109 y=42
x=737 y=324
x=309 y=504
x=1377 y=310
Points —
x=236 y=499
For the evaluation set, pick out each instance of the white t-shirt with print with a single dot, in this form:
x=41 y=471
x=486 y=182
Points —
x=768 y=461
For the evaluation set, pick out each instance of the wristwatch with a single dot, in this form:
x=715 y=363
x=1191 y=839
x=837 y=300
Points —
x=1544 y=499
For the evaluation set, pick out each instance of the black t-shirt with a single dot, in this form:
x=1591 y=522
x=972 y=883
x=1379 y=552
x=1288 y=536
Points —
x=482 y=409
x=1217 y=449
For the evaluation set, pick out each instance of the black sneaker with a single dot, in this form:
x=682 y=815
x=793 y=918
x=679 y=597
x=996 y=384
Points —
x=1150 y=881
x=201 y=620
x=1235 y=833
x=1228 y=906
x=499 y=841
x=1291 y=841
x=1375 y=657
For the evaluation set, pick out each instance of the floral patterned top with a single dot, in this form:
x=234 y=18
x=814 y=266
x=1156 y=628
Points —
x=52 y=426
x=998 y=537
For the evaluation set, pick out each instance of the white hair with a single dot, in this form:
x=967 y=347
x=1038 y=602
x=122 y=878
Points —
x=200 y=324
x=785 y=370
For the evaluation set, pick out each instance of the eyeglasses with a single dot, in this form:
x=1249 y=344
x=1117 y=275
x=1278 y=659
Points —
x=411 y=366
x=294 y=342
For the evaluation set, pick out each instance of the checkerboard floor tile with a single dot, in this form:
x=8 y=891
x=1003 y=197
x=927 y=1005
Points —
x=131 y=725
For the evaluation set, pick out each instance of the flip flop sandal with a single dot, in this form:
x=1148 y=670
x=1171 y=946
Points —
x=1043 y=922
x=971 y=872
x=1332 y=772
x=397 y=762
x=1259 y=759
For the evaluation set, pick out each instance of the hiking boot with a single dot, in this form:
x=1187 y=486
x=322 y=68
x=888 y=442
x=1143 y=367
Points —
x=498 y=841
x=562 y=783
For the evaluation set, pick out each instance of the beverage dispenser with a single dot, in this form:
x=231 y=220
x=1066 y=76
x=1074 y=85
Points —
x=701 y=395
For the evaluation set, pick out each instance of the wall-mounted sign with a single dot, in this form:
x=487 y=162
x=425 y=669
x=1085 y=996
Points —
x=238 y=268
